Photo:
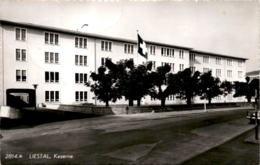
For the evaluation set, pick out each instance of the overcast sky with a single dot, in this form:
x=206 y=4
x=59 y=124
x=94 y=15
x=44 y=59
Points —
x=230 y=28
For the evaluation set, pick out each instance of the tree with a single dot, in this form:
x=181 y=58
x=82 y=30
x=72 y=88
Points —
x=246 y=89
x=104 y=86
x=160 y=78
x=188 y=84
x=209 y=86
x=140 y=81
x=133 y=81
x=254 y=85
x=226 y=87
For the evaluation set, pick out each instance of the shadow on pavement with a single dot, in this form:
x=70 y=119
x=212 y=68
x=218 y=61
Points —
x=32 y=118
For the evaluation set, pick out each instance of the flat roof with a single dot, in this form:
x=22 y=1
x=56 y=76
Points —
x=216 y=54
x=255 y=72
x=98 y=36
x=91 y=35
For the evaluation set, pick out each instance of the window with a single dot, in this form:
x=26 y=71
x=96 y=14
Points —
x=218 y=60
x=205 y=59
x=52 y=77
x=20 y=34
x=153 y=98
x=128 y=48
x=81 y=78
x=240 y=63
x=20 y=75
x=80 y=60
x=192 y=57
x=229 y=62
x=168 y=63
x=170 y=97
x=23 y=75
x=47 y=96
x=153 y=65
x=218 y=98
x=192 y=69
x=205 y=70
x=239 y=73
x=106 y=46
x=52 y=96
x=80 y=42
x=167 y=52
x=103 y=60
x=181 y=54
x=152 y=50
x=229 y=73
x=51 y=38
x=56 y=58
x=81 y=96
x=172 y=66
x=181 y=68
x=20 y=54
x=23 y=54
x=51 y=57
x=218 y=72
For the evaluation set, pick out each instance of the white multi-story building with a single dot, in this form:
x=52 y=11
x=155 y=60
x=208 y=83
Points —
x=60 y=61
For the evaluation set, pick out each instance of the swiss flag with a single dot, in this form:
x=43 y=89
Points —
x=142 y=50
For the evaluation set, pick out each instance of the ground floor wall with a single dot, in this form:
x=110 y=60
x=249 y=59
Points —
x=68 y=96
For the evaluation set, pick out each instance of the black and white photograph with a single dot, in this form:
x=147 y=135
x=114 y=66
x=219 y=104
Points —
x=129 y=82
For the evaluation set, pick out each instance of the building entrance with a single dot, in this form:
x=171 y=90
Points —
x=20 y=98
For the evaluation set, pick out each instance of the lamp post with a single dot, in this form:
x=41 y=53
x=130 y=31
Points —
x=205 y=103
x=35 y=87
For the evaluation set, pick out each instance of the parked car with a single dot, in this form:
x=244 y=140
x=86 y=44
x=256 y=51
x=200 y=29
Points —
x=251 y=116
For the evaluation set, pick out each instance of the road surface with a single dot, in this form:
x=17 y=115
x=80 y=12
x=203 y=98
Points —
x=155 y=138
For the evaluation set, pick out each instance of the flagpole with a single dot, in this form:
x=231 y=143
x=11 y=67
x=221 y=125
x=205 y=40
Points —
x=137 y=31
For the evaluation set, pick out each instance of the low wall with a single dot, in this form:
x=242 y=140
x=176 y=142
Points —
x=97 y=110
x=9 y=112
x=124 y=109
x=182 y=107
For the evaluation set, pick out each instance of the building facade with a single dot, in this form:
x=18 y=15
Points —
x=60 y=61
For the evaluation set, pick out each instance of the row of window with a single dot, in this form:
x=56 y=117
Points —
x=81 y=78
x=81 y=42
x=51 y=57
x=229 y=73
x=54 y=96
x=170 y=97
x=51 y=77
x=218 y=60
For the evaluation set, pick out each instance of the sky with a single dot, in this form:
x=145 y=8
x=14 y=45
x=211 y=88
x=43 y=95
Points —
x=225 y=27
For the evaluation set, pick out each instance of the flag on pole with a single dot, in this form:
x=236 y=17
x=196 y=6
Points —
x=142 y=50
